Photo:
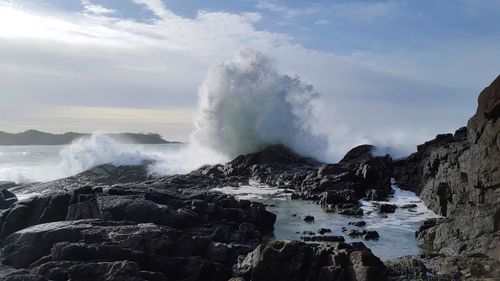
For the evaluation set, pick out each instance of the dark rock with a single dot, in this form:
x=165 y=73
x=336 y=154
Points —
x=409 y=206
x=291 y=260
x=7 y=184
x=338 y=197
x=367 y=267
x=326 y=238
x=358 y=154
x=387 y=208
x=324 y=230
x=349 y=210
x=407 y=268
x=278 y=260
x=358 y=223
x=7 y=198
x=371 y=235
x=457 y=176
x=309 y=219
x=355 y=232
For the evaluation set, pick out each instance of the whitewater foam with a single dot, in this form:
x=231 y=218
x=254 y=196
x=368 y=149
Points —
x=79 y=156
x=246 y=105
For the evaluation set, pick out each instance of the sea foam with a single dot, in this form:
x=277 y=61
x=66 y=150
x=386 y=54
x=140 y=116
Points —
x=244 y=105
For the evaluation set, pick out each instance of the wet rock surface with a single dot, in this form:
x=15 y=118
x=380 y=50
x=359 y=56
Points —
x=293 y=260
x=458 y=176
x=148 y=232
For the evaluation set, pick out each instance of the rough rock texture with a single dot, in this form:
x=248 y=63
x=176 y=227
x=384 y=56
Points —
x=458 y=176
x=148 y=231
x=103 y=175
x=111 y=221
x=443 y=268
x=297 y=261
x=338 y=186
x=93 y=247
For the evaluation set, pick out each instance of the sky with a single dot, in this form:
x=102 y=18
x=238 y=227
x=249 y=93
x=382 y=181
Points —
x=392 y=73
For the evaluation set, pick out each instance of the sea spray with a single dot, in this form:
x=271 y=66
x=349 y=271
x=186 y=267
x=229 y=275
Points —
x=87 y=152
x=84 y=153
x=246 y=105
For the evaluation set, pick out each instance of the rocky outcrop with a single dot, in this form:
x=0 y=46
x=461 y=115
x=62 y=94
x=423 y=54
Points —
x=149 y=230
x=458 y=176
x=117 y=220
x=443 y=268
x=79 y=249
x=293 y=260
x=101 y=176
x=339 y=187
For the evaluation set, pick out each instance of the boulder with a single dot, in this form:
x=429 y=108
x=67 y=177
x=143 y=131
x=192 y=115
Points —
x=278 y=260
x=309 y=219
x=364 y=266
x=387 y=208
x=292 y=260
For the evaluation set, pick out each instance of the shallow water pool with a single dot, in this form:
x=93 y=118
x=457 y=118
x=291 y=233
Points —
x=397 y=230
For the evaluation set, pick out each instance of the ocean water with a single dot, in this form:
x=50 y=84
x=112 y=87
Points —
x=44 y=163
x=41 y=163
x=397 y=230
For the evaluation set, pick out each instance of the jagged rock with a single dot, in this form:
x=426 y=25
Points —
x=121 y=270
x=407 y=268
x=366 y=234
x=278 y=260
x=324 y=230
x=387 y=208
x=7 y=198
x=367 y=267
x=458 y=176
x=292 y=260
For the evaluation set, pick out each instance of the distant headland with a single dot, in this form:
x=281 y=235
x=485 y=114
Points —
x=34 y=137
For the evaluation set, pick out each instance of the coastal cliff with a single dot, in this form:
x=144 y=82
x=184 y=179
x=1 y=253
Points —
x=458 y=176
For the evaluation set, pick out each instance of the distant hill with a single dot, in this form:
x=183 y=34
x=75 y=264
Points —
x=34 y=137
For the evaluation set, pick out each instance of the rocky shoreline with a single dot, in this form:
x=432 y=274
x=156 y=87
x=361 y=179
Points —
x=117 y=223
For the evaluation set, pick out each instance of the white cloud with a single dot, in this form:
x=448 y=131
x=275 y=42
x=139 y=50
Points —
x=96 y=9
x=354 y=11
x=288 y=12
x=64 y=62
x=157 y=7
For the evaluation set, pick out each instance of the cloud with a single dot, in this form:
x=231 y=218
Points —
x=328 y=13
x=158 y=8
x=96 y=9
x=288 y=12
x=271 y=7
x=70 y=71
